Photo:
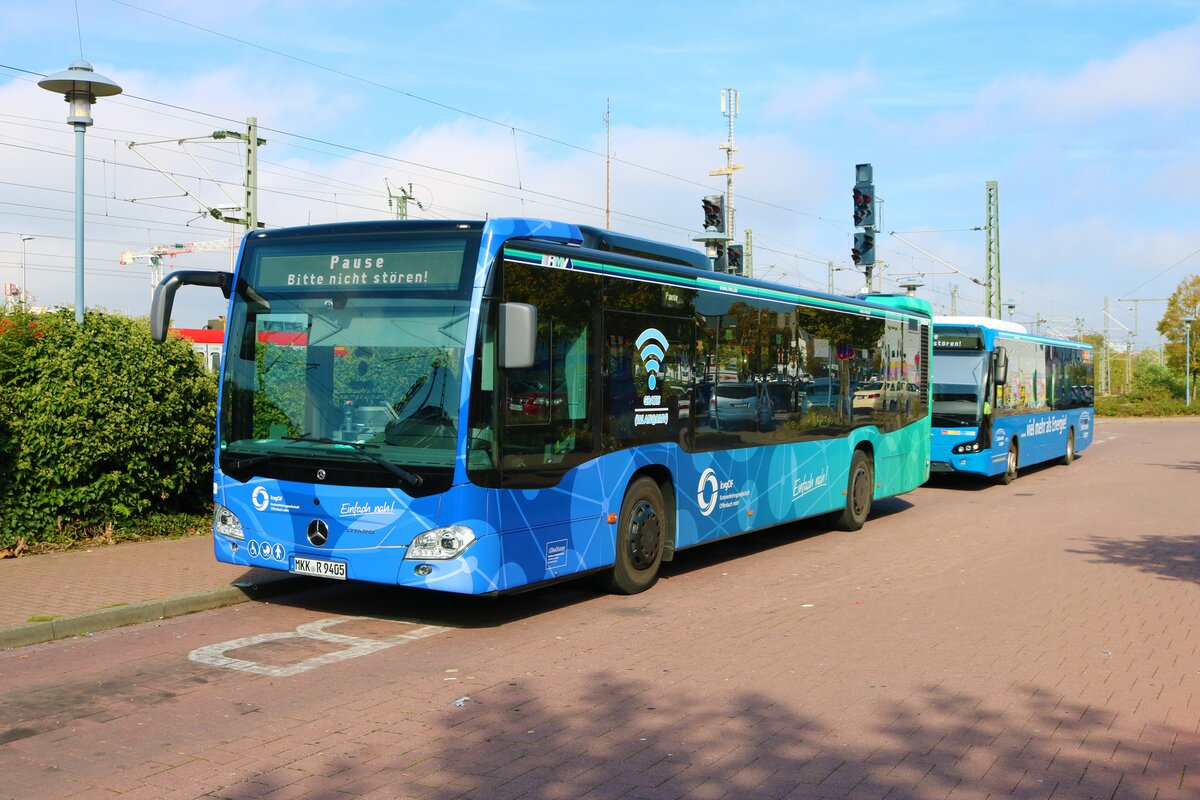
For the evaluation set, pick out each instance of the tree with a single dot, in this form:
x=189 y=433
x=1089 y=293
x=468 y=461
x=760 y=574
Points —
x=842 y=330
x=1184 y=302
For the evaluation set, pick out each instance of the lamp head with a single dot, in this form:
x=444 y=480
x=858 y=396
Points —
x=80 y=85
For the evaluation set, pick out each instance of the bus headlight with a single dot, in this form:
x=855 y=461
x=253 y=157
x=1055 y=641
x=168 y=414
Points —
x=441 y=543
x=226 y=523
x=970 y=447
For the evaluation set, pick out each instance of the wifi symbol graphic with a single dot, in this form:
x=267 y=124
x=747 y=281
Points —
x=652 y=346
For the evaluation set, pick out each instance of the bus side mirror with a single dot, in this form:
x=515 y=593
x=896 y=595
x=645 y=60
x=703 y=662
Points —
x=518 y=335
x=1000 y=366
x=164 y=295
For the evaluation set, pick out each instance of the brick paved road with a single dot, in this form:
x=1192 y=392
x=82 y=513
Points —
x=972 y=641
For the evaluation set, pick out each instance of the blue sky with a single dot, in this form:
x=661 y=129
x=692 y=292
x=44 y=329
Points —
x=1084 y=113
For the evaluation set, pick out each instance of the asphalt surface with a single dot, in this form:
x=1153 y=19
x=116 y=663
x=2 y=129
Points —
x=972 y=641
x=52 y=596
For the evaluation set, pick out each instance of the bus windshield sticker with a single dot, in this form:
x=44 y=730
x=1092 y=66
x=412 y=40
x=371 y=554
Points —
x=652 y=347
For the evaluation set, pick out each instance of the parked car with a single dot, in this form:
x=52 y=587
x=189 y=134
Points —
x=822 y=394
x=785 y=397
x=739 y=406
x=534 y=399
x=869 y=397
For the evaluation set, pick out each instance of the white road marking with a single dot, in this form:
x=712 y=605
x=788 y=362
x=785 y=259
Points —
x=355 y=646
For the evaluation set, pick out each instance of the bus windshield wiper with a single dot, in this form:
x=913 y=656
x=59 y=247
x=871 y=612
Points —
x=250 y=461
x=408 y=477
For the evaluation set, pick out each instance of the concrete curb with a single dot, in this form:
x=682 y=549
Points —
x=146 y=611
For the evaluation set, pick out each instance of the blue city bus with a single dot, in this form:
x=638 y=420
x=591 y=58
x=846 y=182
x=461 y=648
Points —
x=1004 y=399
x=483 y=407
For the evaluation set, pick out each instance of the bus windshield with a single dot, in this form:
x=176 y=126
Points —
x=958 y=388
x=347 y=368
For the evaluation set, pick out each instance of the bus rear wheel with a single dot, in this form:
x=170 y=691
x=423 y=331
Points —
x=1010 y=466
x=1069 y=456
x=642 y=528
x=860 y=490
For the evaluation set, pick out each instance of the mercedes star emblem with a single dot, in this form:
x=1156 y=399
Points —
x=318 y=532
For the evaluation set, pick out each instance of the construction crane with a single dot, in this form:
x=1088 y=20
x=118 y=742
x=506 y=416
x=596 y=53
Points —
x=153 y=256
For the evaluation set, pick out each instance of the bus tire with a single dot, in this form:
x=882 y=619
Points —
x=1069 y=456
x=1010 y=465
x=860 y=491
x=642 y=529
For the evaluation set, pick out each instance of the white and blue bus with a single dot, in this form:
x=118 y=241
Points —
x=482 y=407
x=1004 y=399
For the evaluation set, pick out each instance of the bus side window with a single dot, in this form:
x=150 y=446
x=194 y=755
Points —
x=547 y=409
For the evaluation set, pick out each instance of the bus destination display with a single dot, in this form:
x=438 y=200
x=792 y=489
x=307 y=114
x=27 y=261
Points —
x=433 y=268
x=957 y=340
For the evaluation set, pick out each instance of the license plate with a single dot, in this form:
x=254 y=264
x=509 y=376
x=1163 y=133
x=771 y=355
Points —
x=319 y=568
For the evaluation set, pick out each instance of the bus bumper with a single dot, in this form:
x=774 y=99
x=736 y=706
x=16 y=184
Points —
x=985 y=463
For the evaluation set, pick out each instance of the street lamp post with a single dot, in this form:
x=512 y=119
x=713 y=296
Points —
x=24 y=282
x=1187 y=359
x=80 y=85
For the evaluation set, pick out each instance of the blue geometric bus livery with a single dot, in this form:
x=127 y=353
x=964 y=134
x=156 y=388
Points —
x=523 y=401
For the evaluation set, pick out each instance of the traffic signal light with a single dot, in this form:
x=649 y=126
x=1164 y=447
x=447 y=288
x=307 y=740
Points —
x=714 y=212
x=863 y=251
x=720 y=259
x=735 y=259
x=864 y=206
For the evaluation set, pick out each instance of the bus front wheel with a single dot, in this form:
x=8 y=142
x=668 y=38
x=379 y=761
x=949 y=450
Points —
x=860 y=490
x=642 y=528
x=1010 y=466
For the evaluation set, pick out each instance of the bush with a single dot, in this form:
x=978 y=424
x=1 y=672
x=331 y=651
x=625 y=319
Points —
x=1135 y=405
x=1156 y=392
x=1155 y=380
x=99 y=426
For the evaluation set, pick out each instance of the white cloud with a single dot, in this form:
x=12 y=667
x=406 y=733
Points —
x=1156 y=77
x=1160 y=75
x=811 y=96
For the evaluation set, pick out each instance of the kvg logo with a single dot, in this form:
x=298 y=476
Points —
x=706 y=491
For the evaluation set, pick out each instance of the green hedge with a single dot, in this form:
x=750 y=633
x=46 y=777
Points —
x=100 y=426
x=1156 y=392
x=1135 y=405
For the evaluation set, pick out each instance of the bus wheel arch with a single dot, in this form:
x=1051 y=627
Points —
x=1011 y=462
x=860 y=490
x=645 y=535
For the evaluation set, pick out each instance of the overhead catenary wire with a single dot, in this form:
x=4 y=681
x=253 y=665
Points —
x=522 y=198
x=1155 y=277
x=314 y=197
x=492 y=187
x=442 y=105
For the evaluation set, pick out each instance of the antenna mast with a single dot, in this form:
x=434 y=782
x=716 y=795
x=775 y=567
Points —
x=607 y=161
x=730 y=105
